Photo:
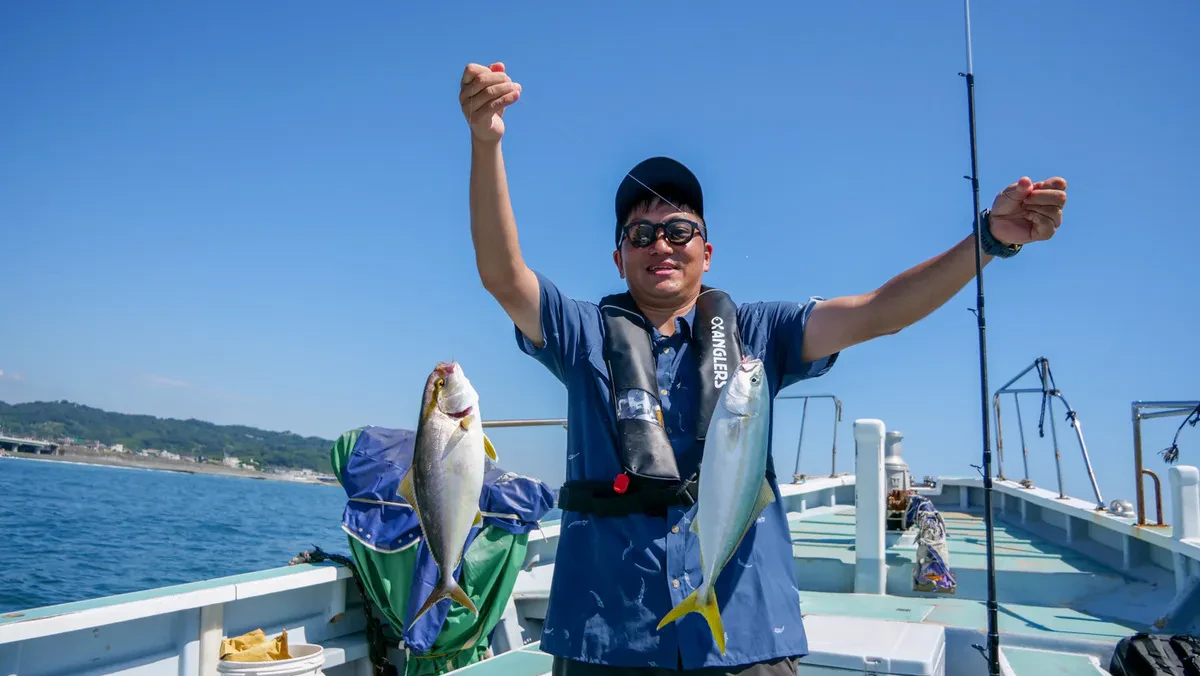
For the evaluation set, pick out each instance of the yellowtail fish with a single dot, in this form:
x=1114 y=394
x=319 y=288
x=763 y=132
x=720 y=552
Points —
x=733 y=487
x=446 y=477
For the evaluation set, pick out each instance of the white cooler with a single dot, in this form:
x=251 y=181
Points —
x=839 y=646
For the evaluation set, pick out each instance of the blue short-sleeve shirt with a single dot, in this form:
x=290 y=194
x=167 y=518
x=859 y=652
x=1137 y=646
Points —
x=616 y=577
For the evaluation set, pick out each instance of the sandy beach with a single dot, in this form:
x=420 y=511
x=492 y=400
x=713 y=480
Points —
x=89 y=457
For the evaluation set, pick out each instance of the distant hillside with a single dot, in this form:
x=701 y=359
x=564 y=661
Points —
x=57 y=419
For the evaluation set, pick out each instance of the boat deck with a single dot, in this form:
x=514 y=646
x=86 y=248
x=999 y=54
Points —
x=1043 y=587
x=1059 y=610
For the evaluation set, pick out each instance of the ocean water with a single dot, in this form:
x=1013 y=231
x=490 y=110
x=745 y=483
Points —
x=71 y=532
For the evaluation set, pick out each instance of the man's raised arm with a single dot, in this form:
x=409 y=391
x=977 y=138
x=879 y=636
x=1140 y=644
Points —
x=1023 y=212
x=485 y=92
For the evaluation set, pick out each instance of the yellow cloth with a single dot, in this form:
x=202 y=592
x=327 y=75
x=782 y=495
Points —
x=254 y=647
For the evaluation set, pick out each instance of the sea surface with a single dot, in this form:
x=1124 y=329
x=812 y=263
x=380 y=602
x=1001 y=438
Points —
x=70 y=532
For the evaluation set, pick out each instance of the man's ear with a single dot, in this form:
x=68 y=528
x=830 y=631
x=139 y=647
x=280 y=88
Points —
x=620 y=263
x=708 y=250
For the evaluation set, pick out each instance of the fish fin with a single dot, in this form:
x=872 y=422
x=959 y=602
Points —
x=489 y=448
x=695 y=524
x=478 y=519
x=708 y=609
x=408 y=493
x=457 y=593
x=465 y=423
x=765 y=497
x=445 y=587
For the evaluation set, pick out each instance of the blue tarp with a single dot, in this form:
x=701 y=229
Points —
x=378 y=516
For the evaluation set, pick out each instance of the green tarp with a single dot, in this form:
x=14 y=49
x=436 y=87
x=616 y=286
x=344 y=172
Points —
x=489 y=571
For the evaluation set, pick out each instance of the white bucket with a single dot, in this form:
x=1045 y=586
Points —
x=308 y=661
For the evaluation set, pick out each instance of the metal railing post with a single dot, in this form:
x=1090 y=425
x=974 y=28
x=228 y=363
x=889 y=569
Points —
x=1024 y=446
x=1049 y=391
x=800 y=440
x=837 y=418
x=1137 y=410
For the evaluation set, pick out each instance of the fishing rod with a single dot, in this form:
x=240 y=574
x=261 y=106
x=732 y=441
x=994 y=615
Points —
x=993 y=633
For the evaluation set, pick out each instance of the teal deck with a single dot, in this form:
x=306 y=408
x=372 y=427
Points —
x=1024 y=661
x=528 y=661
x=1043 y=587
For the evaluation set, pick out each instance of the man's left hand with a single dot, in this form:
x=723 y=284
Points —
x=1027 y=212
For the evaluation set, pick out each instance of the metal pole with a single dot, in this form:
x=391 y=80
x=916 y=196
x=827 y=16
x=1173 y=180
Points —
x=1083 y=447
x=800 y=441
x=1137 y=466
x=533 y=422
x=1057 y=454
x=993 y=634
x=1049 y=404
x=999 y=439
x=837 y=418
x=1021 y=427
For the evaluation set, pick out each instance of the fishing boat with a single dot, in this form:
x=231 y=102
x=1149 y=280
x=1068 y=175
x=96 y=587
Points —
x=1073 y=576
x=948 y=574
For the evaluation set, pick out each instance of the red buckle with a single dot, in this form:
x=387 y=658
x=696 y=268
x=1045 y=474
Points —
x=621 y=483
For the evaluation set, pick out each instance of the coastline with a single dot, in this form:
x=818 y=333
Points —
x=130 y=461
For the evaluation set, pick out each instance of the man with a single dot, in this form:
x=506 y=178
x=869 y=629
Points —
x=626 y=555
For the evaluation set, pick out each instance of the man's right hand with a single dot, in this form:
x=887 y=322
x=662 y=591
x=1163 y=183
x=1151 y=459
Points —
x=484 y=94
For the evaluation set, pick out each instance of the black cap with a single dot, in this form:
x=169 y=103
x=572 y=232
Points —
x=661 y=175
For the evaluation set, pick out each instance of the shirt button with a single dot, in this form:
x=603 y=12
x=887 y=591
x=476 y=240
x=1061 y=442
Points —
x=674 y=529
x=663 y=392
x=675 y=583
x=666 y=350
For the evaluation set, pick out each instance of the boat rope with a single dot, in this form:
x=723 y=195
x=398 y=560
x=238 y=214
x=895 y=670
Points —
x=376 y=640
x=1171 y=453
x=1071 y=416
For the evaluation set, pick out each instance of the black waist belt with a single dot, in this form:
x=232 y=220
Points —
x=599 y=498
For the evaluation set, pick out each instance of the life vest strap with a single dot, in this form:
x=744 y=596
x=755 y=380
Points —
x=598 y=498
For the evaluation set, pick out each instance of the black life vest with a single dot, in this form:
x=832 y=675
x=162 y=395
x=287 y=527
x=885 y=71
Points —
x=649 y=481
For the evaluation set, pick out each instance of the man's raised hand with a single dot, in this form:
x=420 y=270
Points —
x=484 y=93
x=1027 y=212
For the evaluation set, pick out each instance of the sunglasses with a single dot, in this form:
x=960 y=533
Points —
x=678 y=231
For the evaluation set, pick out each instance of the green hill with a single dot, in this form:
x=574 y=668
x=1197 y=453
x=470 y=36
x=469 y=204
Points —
x=58 y=419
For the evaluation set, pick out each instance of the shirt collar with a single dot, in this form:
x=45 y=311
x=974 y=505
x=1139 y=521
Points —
x=684 y=326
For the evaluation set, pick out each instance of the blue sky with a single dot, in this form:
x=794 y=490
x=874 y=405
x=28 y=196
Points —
x=242 y=214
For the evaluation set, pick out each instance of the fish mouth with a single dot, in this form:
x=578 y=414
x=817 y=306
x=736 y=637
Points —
x=463 y=413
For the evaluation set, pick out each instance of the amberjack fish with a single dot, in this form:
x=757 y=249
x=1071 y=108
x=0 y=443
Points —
x=446 y=477
x=733 y=487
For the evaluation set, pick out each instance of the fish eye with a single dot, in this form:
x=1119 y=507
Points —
x=441 y=382
x=754 y=380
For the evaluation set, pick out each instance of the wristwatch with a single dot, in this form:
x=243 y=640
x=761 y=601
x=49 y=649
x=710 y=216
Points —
x=989 y=244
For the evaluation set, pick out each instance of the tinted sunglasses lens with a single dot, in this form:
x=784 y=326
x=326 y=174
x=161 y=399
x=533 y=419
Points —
x=678 y=232
x=641 y=235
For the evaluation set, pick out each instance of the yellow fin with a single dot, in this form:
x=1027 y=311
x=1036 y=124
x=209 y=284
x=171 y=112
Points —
x=696 y=523
x=407 y=492
x=708 y=609
x=465 y=423
x=446 y=587
x=478 y=519
x=459 y=595
x=489 y=448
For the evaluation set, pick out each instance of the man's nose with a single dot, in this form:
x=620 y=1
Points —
x=661 y=245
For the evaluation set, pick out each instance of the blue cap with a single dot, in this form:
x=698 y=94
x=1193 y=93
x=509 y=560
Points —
x=662 y=175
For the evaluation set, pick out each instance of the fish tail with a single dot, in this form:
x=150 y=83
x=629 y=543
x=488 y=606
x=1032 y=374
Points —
x=706 y=607
x=446 y=586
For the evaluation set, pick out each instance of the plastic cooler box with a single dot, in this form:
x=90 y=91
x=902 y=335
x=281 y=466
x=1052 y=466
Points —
x=849 y=645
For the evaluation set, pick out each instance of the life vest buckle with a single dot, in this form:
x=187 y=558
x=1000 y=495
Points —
x=621 y=483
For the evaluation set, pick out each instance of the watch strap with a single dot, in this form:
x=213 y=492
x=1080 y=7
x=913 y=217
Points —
x=990 y=245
